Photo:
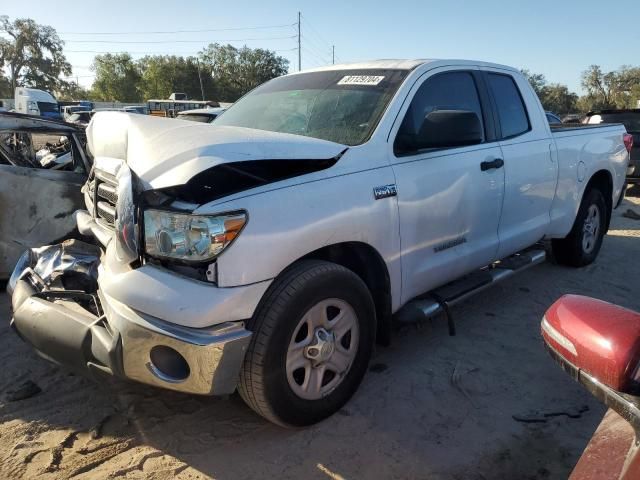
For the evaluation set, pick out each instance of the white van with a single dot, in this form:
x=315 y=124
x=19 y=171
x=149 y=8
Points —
x=36 y=102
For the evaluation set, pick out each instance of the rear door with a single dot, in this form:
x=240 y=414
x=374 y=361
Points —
x=37 y=203
x=530 y=164
x=449 y=207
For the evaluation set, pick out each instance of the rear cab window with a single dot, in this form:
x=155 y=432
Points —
x=510 y=107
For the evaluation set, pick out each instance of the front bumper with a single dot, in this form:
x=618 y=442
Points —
x=94 y=333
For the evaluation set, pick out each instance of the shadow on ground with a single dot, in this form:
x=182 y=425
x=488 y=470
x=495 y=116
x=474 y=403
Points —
x=433 y=406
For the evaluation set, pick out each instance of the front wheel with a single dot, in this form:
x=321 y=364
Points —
x=582 y=245
x=313 y=335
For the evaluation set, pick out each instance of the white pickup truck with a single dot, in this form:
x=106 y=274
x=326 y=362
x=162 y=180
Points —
x=268 y=251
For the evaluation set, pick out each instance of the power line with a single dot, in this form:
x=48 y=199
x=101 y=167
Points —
x=315 y=32
x=315 y=45
x=322 y=61
x=146 y=52
x=181 y=41
x=138 y=32
x=317 y=54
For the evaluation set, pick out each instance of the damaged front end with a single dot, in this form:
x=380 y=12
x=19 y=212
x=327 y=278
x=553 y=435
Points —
x=146 y=304
x=54 y=293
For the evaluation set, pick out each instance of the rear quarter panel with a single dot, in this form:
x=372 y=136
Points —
x=582 y=153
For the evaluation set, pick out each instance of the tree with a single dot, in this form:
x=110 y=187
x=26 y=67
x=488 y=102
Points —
x=237 y=70
x=557 y=98
x=554 y=97
x=32 y=55
x=117 y=78
x=601 y=87
x=616 y=89
x=72 y=92
x=5 y=87
x=162 y=75
x=537 y=80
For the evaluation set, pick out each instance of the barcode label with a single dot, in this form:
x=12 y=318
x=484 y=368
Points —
x=360 y=80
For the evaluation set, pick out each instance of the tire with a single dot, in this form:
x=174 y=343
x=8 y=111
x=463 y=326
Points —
x=582 y=245
x=270 y=381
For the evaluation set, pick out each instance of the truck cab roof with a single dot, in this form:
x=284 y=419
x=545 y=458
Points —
x=404 y=64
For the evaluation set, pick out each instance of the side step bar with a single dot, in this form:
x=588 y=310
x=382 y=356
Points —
x=442 y=298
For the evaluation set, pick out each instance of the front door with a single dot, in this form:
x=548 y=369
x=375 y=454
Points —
x=449 y=205
x=37 y=204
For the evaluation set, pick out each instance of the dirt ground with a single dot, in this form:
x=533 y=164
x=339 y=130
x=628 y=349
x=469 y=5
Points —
x=432 y=406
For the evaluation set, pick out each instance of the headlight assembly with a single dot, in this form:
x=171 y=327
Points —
x=188 y=237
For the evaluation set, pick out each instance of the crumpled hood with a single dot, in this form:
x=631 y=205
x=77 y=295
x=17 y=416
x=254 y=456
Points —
x=165 y=152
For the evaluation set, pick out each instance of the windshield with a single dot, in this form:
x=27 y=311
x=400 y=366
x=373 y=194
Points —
x=48 y=107
x=342 y=106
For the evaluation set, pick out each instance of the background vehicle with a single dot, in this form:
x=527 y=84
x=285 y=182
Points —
x=141 y=109
x=80 y=118
x=274 y=246
x=598 y=344
x=68 y=110
x=32 y=101
x=202 y=115
x=38 y=194
x=631 y=120
x=553 y=118
x=171 y=108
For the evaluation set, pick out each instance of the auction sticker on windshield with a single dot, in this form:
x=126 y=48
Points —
x=360 y=80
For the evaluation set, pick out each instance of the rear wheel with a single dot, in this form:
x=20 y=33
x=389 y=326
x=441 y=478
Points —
x=312 y=339
x=582 y=245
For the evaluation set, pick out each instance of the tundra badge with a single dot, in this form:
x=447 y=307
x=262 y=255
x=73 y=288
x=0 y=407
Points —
x=385 y=191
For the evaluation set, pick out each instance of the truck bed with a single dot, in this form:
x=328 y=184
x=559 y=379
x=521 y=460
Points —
x=573 y=127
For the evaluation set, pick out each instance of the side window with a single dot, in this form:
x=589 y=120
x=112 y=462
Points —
x=51 y=151
x=455 y=97
x=511 y=110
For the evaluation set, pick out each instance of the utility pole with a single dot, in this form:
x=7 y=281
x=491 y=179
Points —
x=299 y=45
x=333 y=54
x=200 y=77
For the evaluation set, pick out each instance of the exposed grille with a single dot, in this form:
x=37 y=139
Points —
x=104 y=191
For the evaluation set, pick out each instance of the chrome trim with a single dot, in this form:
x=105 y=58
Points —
x=214 y=354
x=563 y=341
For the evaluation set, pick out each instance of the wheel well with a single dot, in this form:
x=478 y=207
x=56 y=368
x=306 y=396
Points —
x=366 y=262
x=602 y=181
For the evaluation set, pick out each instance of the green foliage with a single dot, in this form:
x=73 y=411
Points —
x=163 y=75
x=236 y=71
x=554 y=97
x=226 y=74
x=32 y=55
x=617 y=89
x=117 y=78
x=5 y=87
x=71 y=91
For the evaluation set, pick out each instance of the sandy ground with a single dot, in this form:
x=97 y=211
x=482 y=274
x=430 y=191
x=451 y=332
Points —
x=432 y=406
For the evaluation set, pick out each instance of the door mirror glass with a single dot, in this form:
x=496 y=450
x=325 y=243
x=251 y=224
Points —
x=449 y=128
x=598 y=338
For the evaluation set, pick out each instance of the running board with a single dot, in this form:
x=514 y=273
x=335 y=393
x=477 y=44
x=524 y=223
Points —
x=441 y=299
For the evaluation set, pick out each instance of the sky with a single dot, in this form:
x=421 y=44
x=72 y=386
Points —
x=559 y=38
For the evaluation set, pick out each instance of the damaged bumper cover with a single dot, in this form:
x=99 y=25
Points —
x=58 y=309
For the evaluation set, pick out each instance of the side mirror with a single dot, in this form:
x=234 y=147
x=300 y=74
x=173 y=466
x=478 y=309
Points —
x=449 y=128
x=597 y=342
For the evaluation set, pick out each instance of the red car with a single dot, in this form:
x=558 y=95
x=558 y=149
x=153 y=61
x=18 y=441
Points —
x=598 y=344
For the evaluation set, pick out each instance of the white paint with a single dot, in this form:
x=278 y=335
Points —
x=360 y=80
x=442 y=196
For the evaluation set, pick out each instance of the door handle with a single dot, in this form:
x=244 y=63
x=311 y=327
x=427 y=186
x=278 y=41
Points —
x=496 y=163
